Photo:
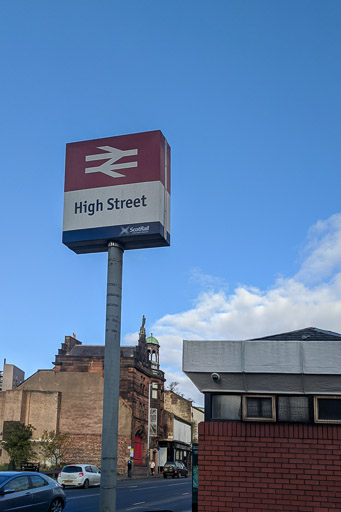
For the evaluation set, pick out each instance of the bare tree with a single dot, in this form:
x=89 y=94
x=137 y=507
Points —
x=54 y=447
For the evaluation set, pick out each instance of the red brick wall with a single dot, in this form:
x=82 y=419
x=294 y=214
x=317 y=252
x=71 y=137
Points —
x=249 y=467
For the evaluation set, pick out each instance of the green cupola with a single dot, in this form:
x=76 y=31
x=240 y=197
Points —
x=153 y=351
x=152 y=341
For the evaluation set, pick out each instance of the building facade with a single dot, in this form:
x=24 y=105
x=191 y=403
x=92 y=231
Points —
x=68 y=399
x=271 y=439
x=176 y=444
x=10 y=377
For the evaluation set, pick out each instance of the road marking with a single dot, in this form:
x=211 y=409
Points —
x=184 y=493
x=179 y=483
x=149 y=487
x=139 y=503
x=84 y=496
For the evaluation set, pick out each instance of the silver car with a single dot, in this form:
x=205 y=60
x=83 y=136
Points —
x=32 y=492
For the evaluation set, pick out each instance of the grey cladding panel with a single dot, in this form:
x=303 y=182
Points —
x=212 y=356
x=322 y=357
x=272 y=357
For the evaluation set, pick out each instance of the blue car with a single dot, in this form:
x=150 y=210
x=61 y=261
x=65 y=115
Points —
x=32 y=492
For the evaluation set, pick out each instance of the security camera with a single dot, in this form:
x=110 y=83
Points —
x=215 y=377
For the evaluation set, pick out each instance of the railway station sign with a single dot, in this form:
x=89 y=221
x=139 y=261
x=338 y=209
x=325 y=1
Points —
x=117 y=189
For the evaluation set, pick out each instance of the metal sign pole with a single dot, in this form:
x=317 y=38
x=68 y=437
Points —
x=111 y=379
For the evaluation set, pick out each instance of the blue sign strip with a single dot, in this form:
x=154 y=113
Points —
x=132 y=236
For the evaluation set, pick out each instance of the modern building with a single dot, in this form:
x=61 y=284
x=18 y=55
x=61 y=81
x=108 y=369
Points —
x=271 y=439
x=11 y=377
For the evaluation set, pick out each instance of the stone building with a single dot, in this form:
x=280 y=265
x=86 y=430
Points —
x=68 y=398
x=176 y=444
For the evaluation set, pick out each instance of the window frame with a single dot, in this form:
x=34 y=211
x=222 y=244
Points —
x=316 y=408
x=250 y=418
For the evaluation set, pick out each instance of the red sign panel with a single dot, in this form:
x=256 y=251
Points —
x=120 y=160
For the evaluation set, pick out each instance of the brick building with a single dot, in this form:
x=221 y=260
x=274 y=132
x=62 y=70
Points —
x=271 y=440
x=69 y=398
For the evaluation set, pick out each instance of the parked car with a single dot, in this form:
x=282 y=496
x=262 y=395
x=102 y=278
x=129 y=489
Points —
x=175 y=470
x=32 y=492
x=81 y=475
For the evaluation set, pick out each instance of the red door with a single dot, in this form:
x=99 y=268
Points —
x=138 y=451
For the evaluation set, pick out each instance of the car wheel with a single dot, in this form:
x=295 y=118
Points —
x=56 y=506
x=86 y=484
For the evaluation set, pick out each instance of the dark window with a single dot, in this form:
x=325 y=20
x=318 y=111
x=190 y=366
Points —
x=226 y=407
x=293 y=408
x=328 y=409
x=37 y=481
x=259 y=408
x=20 y=483
x=72 y=469
x=169 y=465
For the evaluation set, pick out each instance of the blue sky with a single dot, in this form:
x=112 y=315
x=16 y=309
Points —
x=247 y=94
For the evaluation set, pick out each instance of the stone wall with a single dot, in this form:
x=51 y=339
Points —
x=178 y=405
x=197 y=417
x=67 y=402
x=81 y=398
x=41 y=409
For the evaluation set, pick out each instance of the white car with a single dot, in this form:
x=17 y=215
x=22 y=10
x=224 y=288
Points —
x=81 y=475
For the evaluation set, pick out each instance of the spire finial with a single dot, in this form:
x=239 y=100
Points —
x=142 y=328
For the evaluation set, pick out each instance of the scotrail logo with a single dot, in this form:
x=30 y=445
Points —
x=131 y=230
x=112 y=155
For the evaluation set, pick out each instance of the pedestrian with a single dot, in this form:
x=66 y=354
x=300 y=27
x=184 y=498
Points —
x=152 y=467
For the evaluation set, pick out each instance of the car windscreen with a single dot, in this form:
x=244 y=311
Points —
x=72 y=469
x=3 y=479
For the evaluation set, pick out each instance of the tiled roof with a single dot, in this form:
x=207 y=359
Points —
x=309 y=333
x=88 y=351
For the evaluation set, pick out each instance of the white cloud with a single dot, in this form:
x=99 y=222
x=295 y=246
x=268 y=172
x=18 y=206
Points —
x=323 y=250
x=296 y=302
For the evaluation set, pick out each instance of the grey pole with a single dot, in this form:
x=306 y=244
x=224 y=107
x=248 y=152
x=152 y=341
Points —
x=111 y=379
